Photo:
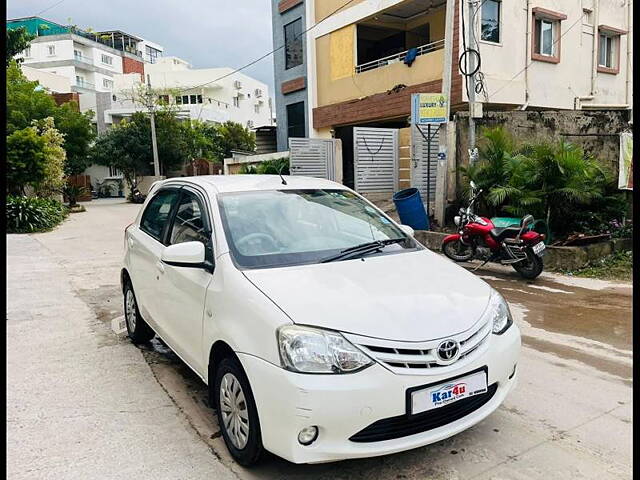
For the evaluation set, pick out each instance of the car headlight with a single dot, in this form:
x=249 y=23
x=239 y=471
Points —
x=498 y=313
x=312 y=350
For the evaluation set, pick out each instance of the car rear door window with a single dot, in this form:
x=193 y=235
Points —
x=156 y=215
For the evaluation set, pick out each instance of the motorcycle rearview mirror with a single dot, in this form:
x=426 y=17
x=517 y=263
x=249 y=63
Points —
x=473 y=184
x=526 y=221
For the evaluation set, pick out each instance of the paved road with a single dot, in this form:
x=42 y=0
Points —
x=105 y=409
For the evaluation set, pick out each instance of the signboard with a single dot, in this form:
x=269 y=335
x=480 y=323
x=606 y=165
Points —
x=429 y=108
x=625 y=177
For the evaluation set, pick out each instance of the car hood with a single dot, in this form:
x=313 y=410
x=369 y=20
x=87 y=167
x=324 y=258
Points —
x=409 y=296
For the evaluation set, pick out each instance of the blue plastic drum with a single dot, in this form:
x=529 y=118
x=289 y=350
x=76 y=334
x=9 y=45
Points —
x=410 y=209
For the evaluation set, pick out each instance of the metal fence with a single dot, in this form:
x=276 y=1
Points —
x=399 y=57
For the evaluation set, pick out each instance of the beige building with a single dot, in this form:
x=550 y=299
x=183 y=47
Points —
x=534 y=55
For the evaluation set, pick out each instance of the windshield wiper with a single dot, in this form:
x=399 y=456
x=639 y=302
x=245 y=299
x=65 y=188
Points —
x=362 y=249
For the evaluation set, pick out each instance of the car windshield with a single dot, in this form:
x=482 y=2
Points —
x=288 y=227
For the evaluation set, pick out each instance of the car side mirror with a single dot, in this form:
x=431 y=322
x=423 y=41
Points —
x=408 y=230
x=187 y=254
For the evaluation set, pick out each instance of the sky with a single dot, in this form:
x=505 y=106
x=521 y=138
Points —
x=206 y=33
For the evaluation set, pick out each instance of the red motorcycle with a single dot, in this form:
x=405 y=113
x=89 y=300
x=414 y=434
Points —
x=478 y=238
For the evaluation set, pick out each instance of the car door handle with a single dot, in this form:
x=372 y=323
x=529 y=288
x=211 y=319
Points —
x=160 y=267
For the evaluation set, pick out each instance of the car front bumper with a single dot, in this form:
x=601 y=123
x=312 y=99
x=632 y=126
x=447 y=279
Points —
x=342 y=405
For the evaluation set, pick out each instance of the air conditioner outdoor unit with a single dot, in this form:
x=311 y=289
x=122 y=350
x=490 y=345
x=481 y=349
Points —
x=258 y=92
x=237 y=84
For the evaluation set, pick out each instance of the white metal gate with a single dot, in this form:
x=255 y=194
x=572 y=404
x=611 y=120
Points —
x=424 y=160
x=312 y=157
x=375 y=159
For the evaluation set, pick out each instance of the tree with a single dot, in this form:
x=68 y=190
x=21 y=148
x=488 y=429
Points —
x=17 y=40
x=55 y=156
x=78 y=135
x=26 y=160
x=25 y=104
x=234 y=136
x=127 y=147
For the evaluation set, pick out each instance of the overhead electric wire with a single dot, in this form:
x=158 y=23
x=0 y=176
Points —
x=269 y=53
x=48 y=8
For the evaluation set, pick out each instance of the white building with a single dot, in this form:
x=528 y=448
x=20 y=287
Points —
x=209 y=94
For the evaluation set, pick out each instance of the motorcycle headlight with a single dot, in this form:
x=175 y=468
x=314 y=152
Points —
x=456 y=220
x=312 y=350
x=498 y=312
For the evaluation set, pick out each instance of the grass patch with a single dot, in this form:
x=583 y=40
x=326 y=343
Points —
x=617 y=266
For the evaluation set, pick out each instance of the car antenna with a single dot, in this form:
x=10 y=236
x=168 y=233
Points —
x=284 y=182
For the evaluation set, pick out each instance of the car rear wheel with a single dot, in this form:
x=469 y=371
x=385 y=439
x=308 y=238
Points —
x=237 y=413
x=137 y=328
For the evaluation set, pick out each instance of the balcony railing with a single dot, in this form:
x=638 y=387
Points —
x=399 y=57
x=84 y=84
x=82 y=58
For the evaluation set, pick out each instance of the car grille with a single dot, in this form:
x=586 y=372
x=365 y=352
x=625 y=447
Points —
x=420 y=357
x=405 y=425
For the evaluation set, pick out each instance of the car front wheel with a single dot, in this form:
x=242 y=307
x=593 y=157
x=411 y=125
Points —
x=237 y=413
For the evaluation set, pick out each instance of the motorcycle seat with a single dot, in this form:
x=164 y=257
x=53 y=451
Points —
x=502 y=233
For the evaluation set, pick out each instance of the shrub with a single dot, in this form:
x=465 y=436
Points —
x=274 y=166
x=33 y=214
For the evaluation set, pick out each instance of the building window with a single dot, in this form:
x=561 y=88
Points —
x=295 y=120
x=185 y=99
x=236 y=102
x=256 y=108
x=546 y=35
x=79 y=80
x=178 y=100
x=106 y=59
x=293 y=44
x=27 y=52
x=153 y=54
x=199 y=97
x=106 y=83
x=490 y=21
x=114 y=172
x=609 y=49
x=51 y=49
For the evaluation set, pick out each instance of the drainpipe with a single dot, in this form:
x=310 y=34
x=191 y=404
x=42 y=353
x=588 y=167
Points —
x=594 y=51
x=526 y=58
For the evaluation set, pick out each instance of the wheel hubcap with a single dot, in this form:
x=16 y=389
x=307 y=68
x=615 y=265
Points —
x=233 y=407
x=131 y=311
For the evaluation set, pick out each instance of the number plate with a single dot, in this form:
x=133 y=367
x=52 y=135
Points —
x=448 y=392
x=538 y=248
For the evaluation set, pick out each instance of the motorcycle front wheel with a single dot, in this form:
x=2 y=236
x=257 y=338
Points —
x=458 y=251
x=529 y=268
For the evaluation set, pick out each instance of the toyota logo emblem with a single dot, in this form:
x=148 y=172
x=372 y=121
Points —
x=448 y=351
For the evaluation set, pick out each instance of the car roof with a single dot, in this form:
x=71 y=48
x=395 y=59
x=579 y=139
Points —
x=247 y=183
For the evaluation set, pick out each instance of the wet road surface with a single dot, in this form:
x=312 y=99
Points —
x=569 y=416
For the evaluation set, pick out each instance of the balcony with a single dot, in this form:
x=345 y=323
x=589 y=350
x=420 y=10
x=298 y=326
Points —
x=85 y=85
x=399 y=57
x=83 y=59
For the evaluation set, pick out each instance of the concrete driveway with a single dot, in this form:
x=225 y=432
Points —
x=86 y=403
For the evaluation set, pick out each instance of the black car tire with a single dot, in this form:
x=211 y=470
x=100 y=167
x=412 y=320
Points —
x=250 y=453
x=137 y=329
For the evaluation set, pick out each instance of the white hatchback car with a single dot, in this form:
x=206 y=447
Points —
x=323 y=329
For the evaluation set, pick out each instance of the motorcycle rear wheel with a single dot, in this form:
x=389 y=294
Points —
x=529 y=268
x=458 y=251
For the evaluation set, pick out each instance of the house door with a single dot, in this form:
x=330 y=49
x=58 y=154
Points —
x=313 y=157
x=375 y=152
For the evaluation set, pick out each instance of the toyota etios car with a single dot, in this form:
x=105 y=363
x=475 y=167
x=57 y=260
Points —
x=323 y=329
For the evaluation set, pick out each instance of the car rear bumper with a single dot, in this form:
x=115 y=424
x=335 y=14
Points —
x=344 y=405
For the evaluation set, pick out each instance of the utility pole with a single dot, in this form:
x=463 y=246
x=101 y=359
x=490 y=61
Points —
x=471 y=78
x=154 y=144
